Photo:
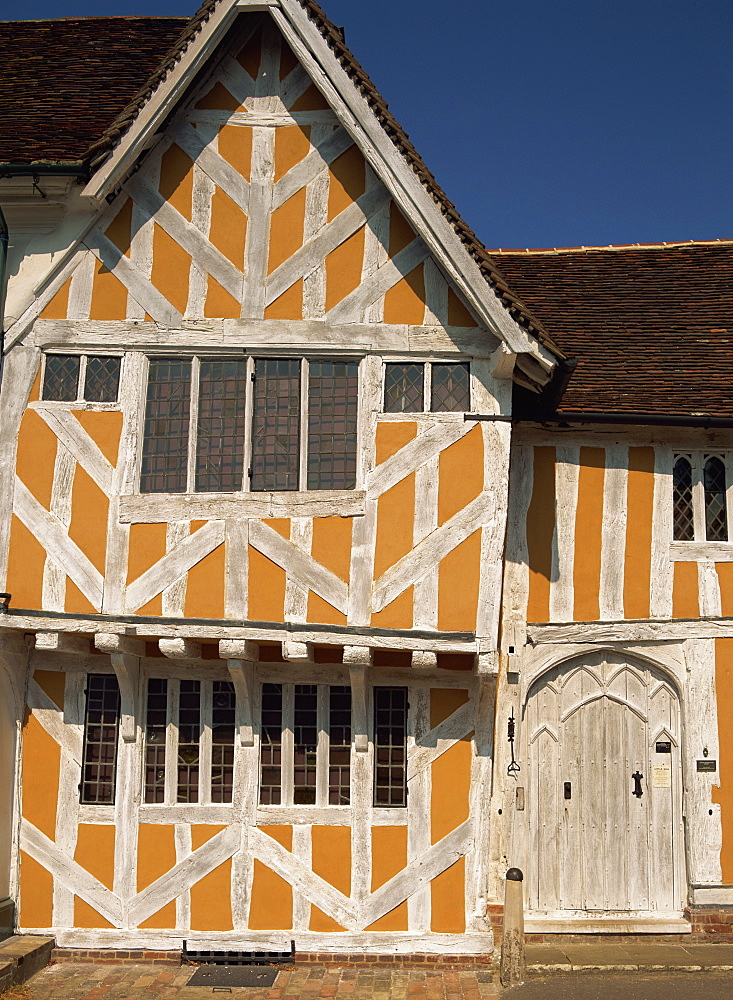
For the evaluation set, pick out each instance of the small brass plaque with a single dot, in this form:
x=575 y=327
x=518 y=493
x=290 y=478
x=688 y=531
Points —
x=707 y=765
x=664 y=747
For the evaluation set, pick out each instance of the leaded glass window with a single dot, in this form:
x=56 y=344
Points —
x=276 y=425
x=71 y=378
x=305 y=744
x=156 y=724
x=61 y=377
x=684 y=528
x=102 y=380
x=101 y=727
x=716 y=522
x=189 y=736
x=167 y=418
x=271 y=745
x=390 y=746
x=339 y=754
x=220 y=431
x=333 y=388
x=403 y=388
x=222 y=741
x=450 y=388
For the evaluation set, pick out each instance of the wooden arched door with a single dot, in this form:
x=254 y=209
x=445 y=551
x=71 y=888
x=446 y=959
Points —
x=604 y=788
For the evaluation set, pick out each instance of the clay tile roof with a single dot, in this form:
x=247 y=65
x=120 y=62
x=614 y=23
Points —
x=64 y=82
x=652 y=326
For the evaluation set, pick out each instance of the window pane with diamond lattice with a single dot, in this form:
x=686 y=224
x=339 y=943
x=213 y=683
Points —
x=333 y=388
x=61 y=377
x=102 y=380
x=684 y=525
x=403 y=388
x=276 y=425
x=220 y=431
x=167 y=415
x=716 y=521
x=450 y=389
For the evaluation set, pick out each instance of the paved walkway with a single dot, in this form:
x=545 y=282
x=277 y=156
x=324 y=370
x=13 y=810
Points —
x=150 y=982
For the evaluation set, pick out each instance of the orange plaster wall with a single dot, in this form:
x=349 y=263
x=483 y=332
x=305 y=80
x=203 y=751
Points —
x=235 y=145
x=289 y=305
x=395 y=524
x=95 y=851
x=36 y=893
x=685 y=592
x=405 y=301
x=76 y=602
x=211 y=907
x=104 y=428
x=58 y=307
x=540 y=528
x=53 y=682
x=391 y=436
x=332 y=861
x=249 y=56
x=638 y=556
x=219 y=303
x=447 y=899
x=723 y=793
x=725 y=580
x=331 y=544
x=458 y=585
x=271 y=902
x=176 y=180
x=389 y=857
x=109 y=295
x=147 y=546
x=286 y=230
x=311 y=100
x=156 y=855
x=461 y=468
x=266 y=587
x=205 y=587
x=89 y=513
x=451 y=785
x=398 y=614
x=323 y=613
x=444 y=702
x=119 y=231
x=458 y=314
x=40 y=780
x=347 y=181
x=343 y=268
x=228 y=229
x=588 y=524
x=218 y=99
x=292 y=144
x=36 y=456
x=26 y=560
x=171 y=268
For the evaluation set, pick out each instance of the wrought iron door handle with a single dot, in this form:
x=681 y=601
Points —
x=637 y=776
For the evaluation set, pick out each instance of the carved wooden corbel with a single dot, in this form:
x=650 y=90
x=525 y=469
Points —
x=241 y=656
x=180 y=649
x=62 y=642
x=124 y=654
x=297 y=652
x=359 y=659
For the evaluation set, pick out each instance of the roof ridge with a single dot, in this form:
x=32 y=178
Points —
x=611 y=247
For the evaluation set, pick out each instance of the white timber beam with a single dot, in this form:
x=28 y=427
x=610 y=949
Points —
x=487 y=664
x=180 y=649
x=62 y=642
x=502 y=362
x=297 y=652
x=14 y=663
x=359 y=660
x=241 y=657
x=124 y=654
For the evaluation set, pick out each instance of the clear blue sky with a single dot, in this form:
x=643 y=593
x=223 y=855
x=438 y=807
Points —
x=548 y=122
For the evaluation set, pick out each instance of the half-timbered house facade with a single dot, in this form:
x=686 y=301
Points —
x=292 y=523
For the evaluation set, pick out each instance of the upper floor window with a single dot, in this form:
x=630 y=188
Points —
x=71 y=378
x=408 y=385
x=700 y=484
x=101 y=727
x=294 y=429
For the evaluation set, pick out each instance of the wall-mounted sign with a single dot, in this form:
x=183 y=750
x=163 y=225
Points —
x=664 y=747
x=661 y=776
x=707 y=765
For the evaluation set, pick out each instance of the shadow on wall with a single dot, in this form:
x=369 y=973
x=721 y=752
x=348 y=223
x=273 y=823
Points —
x=7 y=788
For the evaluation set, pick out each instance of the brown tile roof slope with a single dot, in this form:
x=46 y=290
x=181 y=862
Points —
x=63 y=82
x=652 y=327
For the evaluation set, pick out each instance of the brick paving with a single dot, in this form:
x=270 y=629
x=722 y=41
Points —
x=66 y=981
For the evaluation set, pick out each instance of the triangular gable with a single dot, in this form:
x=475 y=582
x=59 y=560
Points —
x=326 y=240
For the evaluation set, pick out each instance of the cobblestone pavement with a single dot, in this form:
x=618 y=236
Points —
x=154 y=982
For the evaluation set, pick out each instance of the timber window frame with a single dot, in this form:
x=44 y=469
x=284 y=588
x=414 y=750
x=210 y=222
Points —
x=89 y=379
x=409 y=386
x=702 y=499
x=185 y=759
x=286 y=433
x=306 y=745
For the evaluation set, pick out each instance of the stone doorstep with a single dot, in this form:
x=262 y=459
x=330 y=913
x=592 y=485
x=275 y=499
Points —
x=544 y=959
x=21 y=957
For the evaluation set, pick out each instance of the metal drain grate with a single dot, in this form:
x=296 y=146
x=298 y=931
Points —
x=239 y=957
x=233 y=976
